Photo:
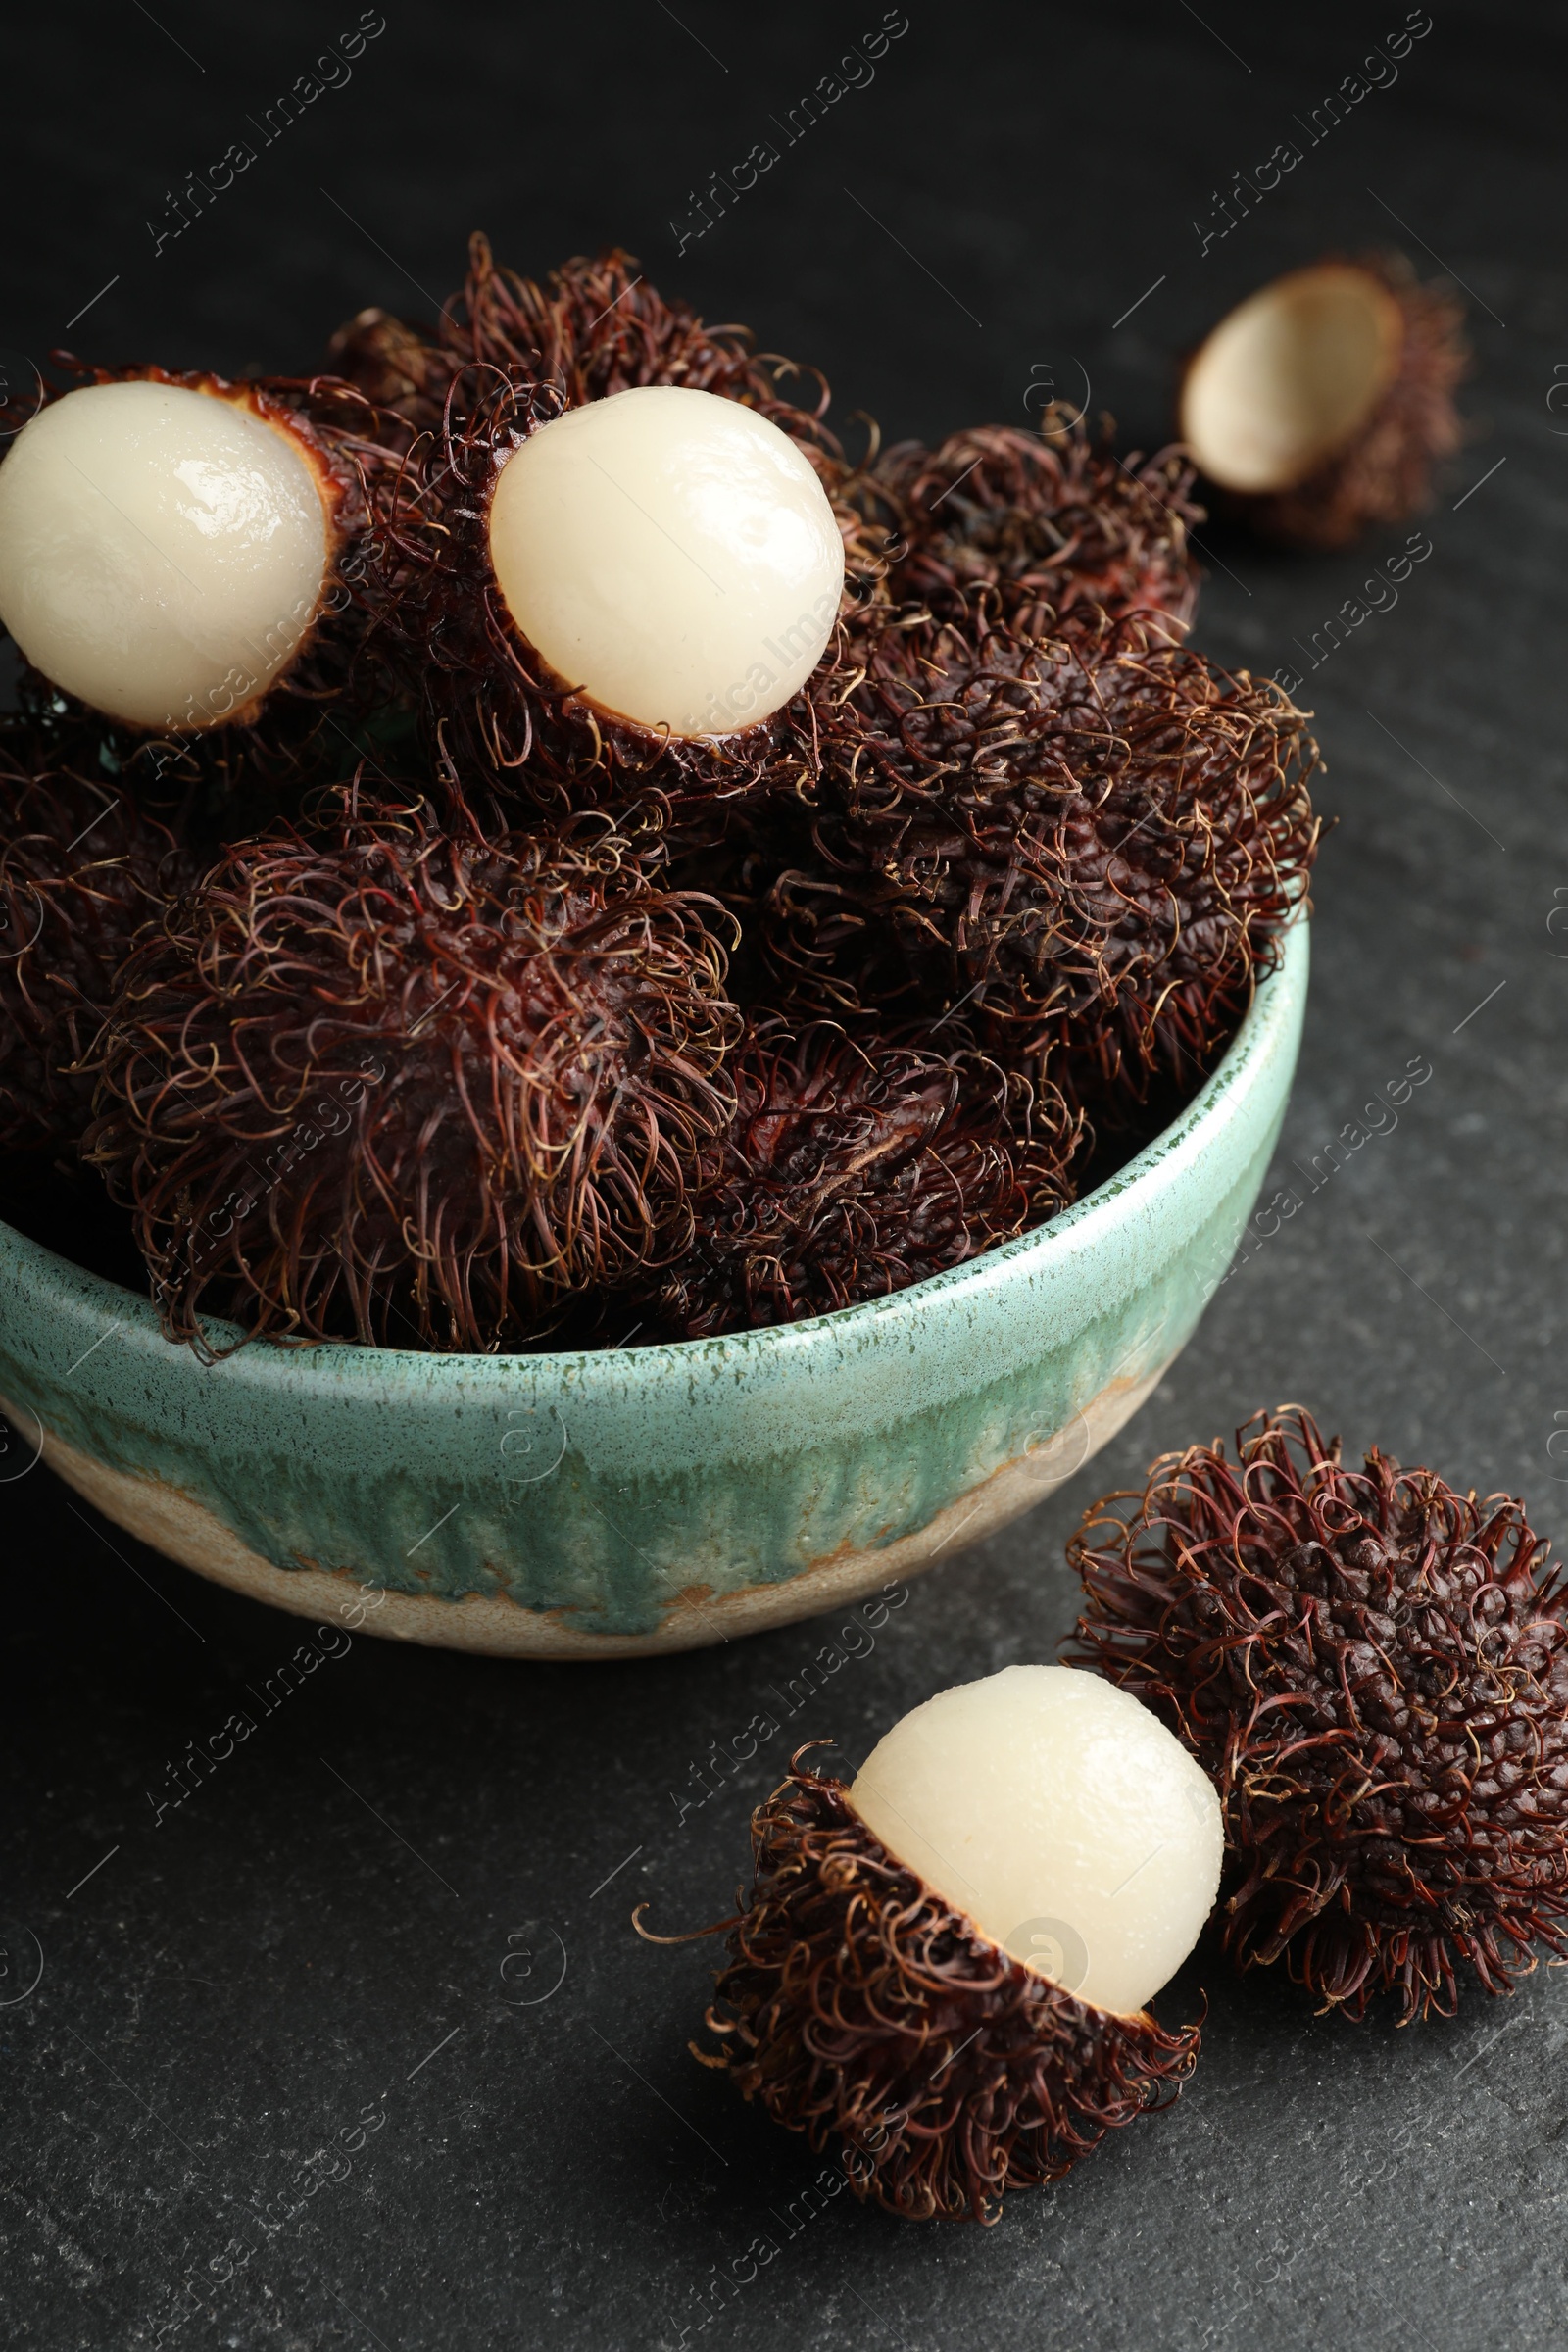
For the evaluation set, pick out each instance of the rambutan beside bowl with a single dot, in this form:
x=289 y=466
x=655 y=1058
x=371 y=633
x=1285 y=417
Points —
x=651 y=1498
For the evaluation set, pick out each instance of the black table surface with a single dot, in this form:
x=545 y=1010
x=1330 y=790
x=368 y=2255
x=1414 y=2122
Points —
x=396 y=1924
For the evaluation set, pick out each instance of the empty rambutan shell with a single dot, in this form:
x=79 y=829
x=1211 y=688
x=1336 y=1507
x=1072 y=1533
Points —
x=942 y=1970
x=1088 y=854
x=82 y=868
x=396 y=1085
x=1321 y=405
x=1062 y=532
x=1373 y=1667
x=179 y=553
x=854 y=1167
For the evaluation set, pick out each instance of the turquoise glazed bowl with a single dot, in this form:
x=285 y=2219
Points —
x=605 y=1505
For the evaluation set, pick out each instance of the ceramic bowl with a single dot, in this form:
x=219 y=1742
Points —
x=651 y=1498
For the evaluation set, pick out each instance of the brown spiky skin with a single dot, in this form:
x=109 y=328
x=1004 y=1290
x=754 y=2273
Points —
x=1059 y=531
x=854 y=1167
x=1091 y=854
x=1374 y=1669
x=396 y=366
x=858 y=2007
x=225 y=783
x=411 y=1086
x=82 y=867
x=300 y=727
x=1383 y=475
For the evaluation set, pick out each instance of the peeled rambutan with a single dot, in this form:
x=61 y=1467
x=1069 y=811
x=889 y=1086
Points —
x=189 y=555
x=854 y=1167
x=1321 y=405
x=395 y=1085
x=613 y=599
x=1089 y=856
x=942 y=1968
x=1054 y=525
x=648 y=634
x=82 y=868
x=1373 y=1667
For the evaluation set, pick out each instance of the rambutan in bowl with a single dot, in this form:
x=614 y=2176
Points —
x=610 y=1504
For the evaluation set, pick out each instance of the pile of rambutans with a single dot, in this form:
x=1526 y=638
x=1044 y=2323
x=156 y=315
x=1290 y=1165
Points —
x=522 y=834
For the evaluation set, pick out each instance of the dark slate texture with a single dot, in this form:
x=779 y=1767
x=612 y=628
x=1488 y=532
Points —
x=353 y=1934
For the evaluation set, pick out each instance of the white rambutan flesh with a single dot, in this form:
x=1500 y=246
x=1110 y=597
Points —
x=671 y=556
x=1061 y=1818
x=163 y=551
x=1290 y=376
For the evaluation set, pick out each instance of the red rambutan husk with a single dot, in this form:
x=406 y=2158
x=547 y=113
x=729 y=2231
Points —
x=854 y=1167
x=1058 y=532
x=594 y=327
x=1374 y=1669
x=860 y=2008
x=411 y=1086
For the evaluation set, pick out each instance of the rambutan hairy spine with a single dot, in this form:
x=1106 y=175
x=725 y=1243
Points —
x=513 y=1048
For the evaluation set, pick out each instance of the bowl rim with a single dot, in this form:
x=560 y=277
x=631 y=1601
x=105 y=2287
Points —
x=341 y=1363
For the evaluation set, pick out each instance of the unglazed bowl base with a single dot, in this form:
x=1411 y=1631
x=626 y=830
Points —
x=185 y=1530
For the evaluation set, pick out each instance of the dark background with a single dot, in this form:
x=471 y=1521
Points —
x=232 y=1989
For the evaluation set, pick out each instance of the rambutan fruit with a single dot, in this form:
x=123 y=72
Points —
x=642 y=633
x=181 y=552
x=1090 y=856
x=942 y=1968
x=1057 y=530
x=854 y=1167
x=1373 y=1667
x=1321 y=405
x=408 y=1087
x=613 y=598
x=82 y=868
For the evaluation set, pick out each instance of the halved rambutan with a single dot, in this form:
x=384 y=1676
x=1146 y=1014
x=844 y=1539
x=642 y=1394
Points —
x=189 y=555
x=1062 y=532
x=82 y=868
x=942 y=1970
x=855 y=1165
x=395 y=1085
x=521 y=359
x=1321 y=405
x=1089 y=856
x=1373 y=1667
x=496 y=706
